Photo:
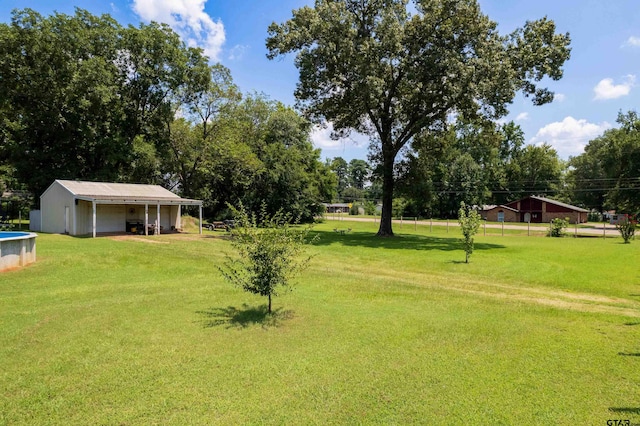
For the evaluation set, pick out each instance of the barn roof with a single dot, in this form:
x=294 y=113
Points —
x=558 y=203
x=501 y=207
x=123 y=192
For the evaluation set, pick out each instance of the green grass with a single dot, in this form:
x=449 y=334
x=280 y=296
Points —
x=532 y=331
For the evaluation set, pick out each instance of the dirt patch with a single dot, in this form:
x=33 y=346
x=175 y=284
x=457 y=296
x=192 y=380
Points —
x=138 y=239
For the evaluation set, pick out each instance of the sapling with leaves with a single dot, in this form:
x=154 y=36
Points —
x=627 y=229
x=469 y=220
x=271 y=252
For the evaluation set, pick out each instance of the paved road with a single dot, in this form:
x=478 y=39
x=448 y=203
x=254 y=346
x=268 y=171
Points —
x=596 y=230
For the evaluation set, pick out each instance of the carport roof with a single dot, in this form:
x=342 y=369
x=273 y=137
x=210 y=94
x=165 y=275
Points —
x=125 y=193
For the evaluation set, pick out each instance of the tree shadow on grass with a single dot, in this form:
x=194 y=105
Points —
x=232 y=317
x=629 y=353
x=400 y=241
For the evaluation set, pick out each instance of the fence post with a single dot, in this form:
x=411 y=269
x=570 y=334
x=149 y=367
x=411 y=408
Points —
x=415 y=223
x=400 y=222
x=529 y=229
x=447 y=225
x=503 y=228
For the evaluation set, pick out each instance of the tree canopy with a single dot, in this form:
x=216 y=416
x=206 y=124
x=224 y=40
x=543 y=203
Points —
x=378 y=68
x=82 y=97
x=80 y=93
x=606 y=175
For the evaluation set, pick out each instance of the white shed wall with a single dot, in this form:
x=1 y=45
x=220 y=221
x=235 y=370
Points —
x=111 y=218
x=83 y=213
x=52 y=209
x=34 y=220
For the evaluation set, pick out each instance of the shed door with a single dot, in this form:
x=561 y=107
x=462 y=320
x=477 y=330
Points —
x=67 y=220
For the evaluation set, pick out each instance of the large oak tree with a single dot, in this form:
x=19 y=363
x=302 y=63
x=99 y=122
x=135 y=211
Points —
x=392 y=69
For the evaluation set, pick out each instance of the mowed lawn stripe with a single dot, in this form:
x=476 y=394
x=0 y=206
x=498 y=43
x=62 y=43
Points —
x=392 y=331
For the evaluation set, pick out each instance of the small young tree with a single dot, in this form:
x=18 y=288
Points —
x=270 y=252
x=627 y=229
x=469 y=220
x=558 y=227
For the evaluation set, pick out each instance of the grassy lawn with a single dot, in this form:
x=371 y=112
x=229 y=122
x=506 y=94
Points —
x=144 y=331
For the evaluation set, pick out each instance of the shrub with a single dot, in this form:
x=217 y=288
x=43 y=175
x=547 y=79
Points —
x=370 y=208
x=627 y=229
x=558 y=227
x=398 y=207
x=594 y=216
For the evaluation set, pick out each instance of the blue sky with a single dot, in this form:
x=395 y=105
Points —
x=600 y=79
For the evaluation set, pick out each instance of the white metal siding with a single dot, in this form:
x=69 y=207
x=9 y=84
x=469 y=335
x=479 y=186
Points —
x=111 y=218
x=52 y=204
x=34 y=220
x=83 y=217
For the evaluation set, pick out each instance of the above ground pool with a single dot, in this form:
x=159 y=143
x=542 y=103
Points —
x=17 y=249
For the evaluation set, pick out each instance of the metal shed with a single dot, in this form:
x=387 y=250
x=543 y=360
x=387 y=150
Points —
x=80 y=208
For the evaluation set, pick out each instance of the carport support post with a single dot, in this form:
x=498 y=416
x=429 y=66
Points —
x=200 y=223
x=93 y=219
x=157 y=230
x=146 y=220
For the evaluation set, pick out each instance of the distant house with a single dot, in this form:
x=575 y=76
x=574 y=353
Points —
x=81 y=208
x=500 y=214
x=534 y=210
x=336 y=207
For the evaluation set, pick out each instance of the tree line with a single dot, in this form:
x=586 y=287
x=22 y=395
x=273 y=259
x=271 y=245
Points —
x=82 y=97
x=481 y=163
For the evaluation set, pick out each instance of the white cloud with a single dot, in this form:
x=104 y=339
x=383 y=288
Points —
x=321 y=138
x=523 y=116
x=605 y=89
x=187 y=18
x=237 y=52
x=569 y=136
x=632 y=42
x=560 y=97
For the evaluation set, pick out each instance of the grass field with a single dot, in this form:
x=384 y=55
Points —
x=142 y=330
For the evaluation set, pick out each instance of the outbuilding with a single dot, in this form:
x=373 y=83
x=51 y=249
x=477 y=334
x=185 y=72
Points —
x=499 y=214
x=336 y=207
x=535 y=209
x=81 y=208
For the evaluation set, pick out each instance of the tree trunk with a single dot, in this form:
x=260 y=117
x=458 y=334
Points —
x=385 y=229
x=269 y=310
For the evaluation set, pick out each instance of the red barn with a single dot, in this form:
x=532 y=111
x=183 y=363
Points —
x=536 y=210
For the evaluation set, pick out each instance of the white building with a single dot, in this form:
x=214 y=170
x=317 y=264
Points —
x=81 y=208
